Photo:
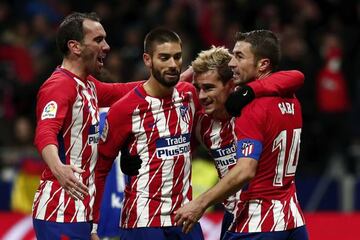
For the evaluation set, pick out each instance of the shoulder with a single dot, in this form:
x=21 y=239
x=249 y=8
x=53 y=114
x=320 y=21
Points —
x=129 y=101
x=58 y=84
x=185 y=86
x=258 y=105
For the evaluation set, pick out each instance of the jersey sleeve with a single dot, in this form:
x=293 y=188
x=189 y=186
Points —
x=249 y=130
x=109 y=93
x=51 y=109
x=114 y=134
x=282 y=83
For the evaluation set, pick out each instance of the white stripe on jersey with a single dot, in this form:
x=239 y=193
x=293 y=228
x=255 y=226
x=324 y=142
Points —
x=255 y=216
x=43 y=200
x=75 y=148
x=60 y=213
x=143 y=179
x=92 y=188
x=215 y=134
x=296 y=214
x=279 y=217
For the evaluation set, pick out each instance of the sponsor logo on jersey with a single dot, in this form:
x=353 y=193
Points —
x=172 y=146
x=247 y=148
x=225 y=156
x=93 y=137
x=49 y=111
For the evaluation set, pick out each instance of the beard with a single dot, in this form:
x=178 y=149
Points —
x=162 y=79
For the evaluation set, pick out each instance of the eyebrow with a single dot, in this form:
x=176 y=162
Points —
x=208 y=85
x=238 y=53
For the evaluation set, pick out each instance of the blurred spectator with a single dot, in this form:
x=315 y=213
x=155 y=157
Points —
x=22 y=160
x=333 y=102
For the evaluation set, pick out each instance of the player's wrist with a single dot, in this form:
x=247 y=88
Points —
x=238 y=99
x=94 y=228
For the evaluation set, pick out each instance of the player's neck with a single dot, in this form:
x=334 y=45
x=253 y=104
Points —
x=74 y=67
x=153 y=88
x=221 y=115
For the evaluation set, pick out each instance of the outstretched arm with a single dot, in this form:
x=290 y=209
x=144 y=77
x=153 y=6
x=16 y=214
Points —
x=280 y=83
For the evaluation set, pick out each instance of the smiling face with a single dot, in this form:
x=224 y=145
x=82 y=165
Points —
x=212 y=93
x=243 y=63
x=165 y=63
x=93 y=46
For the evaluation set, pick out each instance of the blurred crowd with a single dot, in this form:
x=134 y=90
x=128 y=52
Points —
x=321 y=38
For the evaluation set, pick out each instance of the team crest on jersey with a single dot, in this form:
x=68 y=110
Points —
x=105 y=131
x=247 y=148
x=49 y=110
x=184 y=112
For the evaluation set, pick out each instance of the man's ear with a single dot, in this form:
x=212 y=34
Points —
x=147 y=60
x=74 y=47
x=263 y=64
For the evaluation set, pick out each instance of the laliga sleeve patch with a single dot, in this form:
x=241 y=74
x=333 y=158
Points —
x=250 y=148
x=105 y=131
x=49 y=111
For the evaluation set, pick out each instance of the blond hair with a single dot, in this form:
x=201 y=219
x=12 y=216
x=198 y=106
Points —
x=216 y=58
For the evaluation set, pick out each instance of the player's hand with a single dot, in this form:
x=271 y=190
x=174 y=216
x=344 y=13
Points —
x=188 y=215
x=65 y=174
x=187 y=75
x=129 y=164
x=94 y=236
x=238 y=99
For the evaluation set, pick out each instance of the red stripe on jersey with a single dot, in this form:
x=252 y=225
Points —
x=159 y=130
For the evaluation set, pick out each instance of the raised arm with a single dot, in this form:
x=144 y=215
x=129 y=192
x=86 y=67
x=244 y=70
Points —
x=109 y=93
x=280 y=83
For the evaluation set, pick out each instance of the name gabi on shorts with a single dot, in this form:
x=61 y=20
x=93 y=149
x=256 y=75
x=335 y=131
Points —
x=173 y=146
x=224 y=156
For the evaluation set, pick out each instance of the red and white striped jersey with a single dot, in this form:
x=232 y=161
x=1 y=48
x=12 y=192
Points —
x=68 y=117
x=159 y=131
x=218 y=137
x=268 y=131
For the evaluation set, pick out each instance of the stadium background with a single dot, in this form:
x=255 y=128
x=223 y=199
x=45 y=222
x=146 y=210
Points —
x=321 y=38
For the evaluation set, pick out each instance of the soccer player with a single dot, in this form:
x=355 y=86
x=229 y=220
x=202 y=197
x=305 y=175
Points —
x=268 y=135
x=215 y=128
x=155 y=121
x=67 y=129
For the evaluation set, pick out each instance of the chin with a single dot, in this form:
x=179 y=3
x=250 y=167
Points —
x=209 y=111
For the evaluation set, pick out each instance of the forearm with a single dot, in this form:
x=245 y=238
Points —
x=232 y=182
x=51 y=157
x=278 y=84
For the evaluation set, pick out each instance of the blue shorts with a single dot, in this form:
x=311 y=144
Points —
x=46 y=230
x=161 y=233
x=226 y=222
x=299 y=233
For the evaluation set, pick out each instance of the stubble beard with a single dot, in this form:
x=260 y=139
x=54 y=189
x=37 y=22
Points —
x=157 y=75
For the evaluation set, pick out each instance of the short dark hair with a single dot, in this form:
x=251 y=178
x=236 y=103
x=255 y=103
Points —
x=71 y=28
x=264 y=44
x=158 y=36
